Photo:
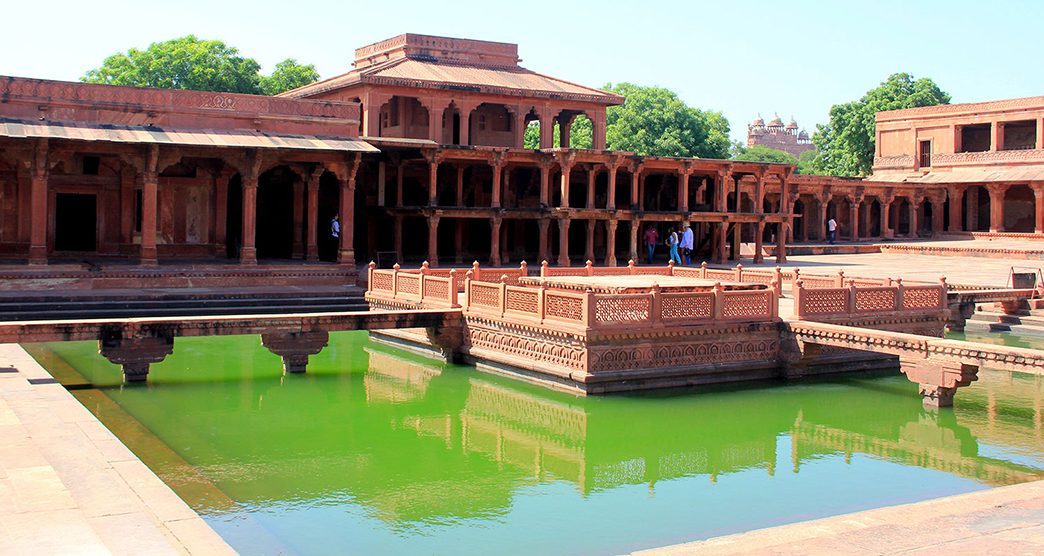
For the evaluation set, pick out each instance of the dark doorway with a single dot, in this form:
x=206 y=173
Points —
x=75 y=222
x=234 y=218
x=275 y=215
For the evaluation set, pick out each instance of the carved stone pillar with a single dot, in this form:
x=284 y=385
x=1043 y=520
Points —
x=433 y=240
x=1038 y=207
x=295 y=347
x=853 y=217
x=886 y=216
x=610 y=242
x=781 y=242
x=547 y=129
x=38 y=212
x=956 y=194
x=824 y=204
x=497 y=165
x=915 y=209
x=459 y=194
x=312 y=230
x=758 y=238
x=592 y=175
x=997 y=206
x=248 y=252
x=635 y=177
x=545 y=182
x=567 y=168
x=589 y=254
x=494 y=241
x=683 y=191
x=542 y=225
x=938 y=214
x=346 y=253
x=632 y=248
x=610 y=202
x=150 y=207
x=759 y=193
x=433 y=181
x=563 y=241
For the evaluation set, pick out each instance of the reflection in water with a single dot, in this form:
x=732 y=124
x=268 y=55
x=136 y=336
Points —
x=388 y=452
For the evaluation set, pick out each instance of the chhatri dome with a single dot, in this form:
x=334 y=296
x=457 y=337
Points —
x=776 y=122
x=792 y=124
x=758 y=121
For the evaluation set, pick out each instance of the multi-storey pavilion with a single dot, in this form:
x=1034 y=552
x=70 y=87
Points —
x=167 y=176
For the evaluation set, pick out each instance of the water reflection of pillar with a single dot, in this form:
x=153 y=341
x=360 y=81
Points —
x=295 y=347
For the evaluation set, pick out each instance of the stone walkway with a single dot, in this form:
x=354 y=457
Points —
x=68 y=485
x=1006 y=521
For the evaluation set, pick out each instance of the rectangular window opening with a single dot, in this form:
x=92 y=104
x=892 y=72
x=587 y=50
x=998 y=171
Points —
x=925 y=154
x=975 y=138
x=1020 y=135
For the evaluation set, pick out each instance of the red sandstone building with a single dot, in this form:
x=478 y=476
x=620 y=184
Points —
x=775 y=135
x=419 y=149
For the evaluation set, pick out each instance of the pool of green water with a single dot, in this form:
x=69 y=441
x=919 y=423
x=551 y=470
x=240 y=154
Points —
x=377 y=451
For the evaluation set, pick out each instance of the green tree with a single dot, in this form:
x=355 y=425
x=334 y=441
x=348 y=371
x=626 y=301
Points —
x=804 y=163
x=846 y=145
x=203 y=65
x=287 y=75
x=652 y=122
x=761 y=153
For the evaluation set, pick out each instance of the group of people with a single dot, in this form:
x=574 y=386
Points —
x=679 y=241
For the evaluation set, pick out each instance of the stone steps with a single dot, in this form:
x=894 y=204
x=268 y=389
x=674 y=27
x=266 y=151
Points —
x=989 y=321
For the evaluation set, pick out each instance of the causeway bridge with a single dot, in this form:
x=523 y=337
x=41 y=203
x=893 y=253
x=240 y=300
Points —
x=136 y=343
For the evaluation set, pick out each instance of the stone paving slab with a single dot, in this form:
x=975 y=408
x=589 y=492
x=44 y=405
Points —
x=1007 y=521
x=69 y=486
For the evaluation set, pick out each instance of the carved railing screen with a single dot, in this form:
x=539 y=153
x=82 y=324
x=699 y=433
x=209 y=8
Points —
x=484 y=294
x=409 y=284
x=874 y=299
x=436 y=288
x=748 y=304
x=523 y=300
x=810 y=303
x=923 y=297
x=623 y=308
x=563 y=306
x=687 y=306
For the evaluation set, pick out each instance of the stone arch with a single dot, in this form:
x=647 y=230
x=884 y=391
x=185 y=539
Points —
x=975 y=209
x=274 y=236
x=403 y=116
x=493 y=125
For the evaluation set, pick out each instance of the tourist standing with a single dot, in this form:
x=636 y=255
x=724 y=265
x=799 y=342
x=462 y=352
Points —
x=651 y=237
x=673 y=242
x=687 y=244
x=831 y=230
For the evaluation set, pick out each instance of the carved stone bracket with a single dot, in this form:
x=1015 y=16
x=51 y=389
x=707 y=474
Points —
x=295 y=347
x=135 y=354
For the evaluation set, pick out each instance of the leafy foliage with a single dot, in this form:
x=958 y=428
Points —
x=652 y=122
x=847 y=144
x=203 y=65
x=761 y=153
x=804 y=163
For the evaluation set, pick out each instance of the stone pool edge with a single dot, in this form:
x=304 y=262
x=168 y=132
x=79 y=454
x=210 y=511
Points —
x=68 y=484
x=1002 y=520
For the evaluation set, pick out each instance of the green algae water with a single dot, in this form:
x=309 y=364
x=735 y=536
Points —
x=378 y=451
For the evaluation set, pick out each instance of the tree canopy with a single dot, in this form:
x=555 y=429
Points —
x=847 y=144
x=204 y=65
x=652 y=122
x=761 y=153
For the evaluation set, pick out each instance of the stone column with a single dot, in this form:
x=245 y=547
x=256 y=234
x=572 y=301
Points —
x=635 y=176
x=433 y=185
x=435 y=112
x=759 y=193
x=972 y=216
x=592 y=175
x=937 y=215
x=997 y=137
x=543 y=224
x=1038 y=205
x=297 y=249
x=149 y=207
x=720 y=243
x=824 y=204
x=518 y=128
x=915 y=209
x=545 y=182
x=955 y=193
x=563 y=241
x=610 y=241
x=853 y=217
x=346 y=253
x=632 y=248
x=781 y=242
x=564 y=127
x=494 y=241
x=758 y=247
x=459 y=200
x=610 y=202
x=497 y=166
x=465 y=124
x=38 y=211
x=886 y=216
x=567 y=168
x=433 y=240
x=683 y=191
x=397 y=237
x=312 y=232
x=248 y=252
x=547 y=129
x=398 y=184
x=598 y=130
x=996 y=206
x=737 y=236
x=720 y=195
x=589 y=254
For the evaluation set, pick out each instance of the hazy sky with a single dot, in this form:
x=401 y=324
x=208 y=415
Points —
x=795 y=57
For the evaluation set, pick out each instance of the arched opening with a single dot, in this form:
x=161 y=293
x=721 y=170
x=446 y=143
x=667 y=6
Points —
x=491 y=124
x=581 y=133
x=901 y=216
x=531 y=135
x=451 y=132
x=623 y=188
x=800 y=223
x=275 y=213
x=873 y=228
x=404 y=117
x=1019 y=215
x=924 y=219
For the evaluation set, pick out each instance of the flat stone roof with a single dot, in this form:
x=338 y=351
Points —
x=637 y=283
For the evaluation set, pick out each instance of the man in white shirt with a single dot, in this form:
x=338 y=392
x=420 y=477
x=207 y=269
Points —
x=831 y=230
x=686 y=245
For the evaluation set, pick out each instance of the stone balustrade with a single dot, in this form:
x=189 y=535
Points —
x=854 y=300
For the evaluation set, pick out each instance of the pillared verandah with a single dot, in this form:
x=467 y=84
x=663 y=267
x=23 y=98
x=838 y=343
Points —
x=423 y=141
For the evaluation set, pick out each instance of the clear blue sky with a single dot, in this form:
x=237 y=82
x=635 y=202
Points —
x=795 y=58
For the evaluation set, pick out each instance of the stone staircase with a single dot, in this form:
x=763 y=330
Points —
x=1024 y=321
x=177 y=302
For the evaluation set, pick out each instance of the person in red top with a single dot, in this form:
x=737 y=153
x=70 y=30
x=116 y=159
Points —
x=651 y=238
